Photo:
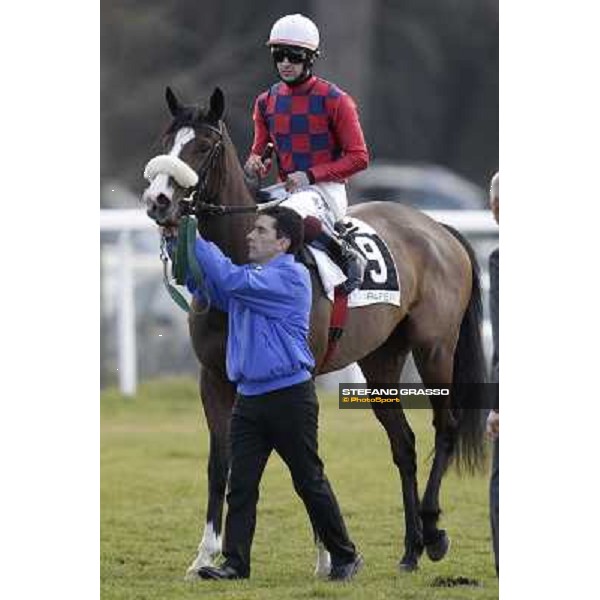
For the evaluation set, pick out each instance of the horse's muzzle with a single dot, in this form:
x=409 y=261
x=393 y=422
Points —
x=158 y=208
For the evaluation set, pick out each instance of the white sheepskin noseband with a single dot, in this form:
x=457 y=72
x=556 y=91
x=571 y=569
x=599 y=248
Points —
x=167 y=164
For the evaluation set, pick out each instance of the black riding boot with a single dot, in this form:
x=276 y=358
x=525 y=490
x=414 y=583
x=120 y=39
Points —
x=351 y=262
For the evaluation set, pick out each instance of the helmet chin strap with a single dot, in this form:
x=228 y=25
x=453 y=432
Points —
x=306 y=73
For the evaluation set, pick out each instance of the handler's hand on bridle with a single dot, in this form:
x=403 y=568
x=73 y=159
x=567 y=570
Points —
x=168 y=231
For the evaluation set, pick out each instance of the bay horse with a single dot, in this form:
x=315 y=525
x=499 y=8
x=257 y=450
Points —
x=439 y=321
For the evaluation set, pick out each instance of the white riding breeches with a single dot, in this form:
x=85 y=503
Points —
x=326 y=201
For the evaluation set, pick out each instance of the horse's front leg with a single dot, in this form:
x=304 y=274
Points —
x=402 y=443
x=217 y=399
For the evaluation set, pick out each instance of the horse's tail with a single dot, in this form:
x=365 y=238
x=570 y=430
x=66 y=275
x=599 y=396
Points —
x=469 y=375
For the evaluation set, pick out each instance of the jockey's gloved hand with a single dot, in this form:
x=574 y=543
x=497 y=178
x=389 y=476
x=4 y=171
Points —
x=255 y=167
x=296 y=181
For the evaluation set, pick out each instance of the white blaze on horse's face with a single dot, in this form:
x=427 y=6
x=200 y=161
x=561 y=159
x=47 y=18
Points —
x=159 y=194
x=160 y=184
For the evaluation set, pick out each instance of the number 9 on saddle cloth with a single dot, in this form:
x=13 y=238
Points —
x=323 y=206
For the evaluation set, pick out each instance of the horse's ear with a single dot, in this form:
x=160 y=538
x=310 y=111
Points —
x=217 y=105
x=172 y=101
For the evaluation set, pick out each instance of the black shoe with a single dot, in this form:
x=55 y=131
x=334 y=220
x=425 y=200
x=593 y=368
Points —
x=346 y=571
x=350 y=261
x=224 y=572
x=354 y=269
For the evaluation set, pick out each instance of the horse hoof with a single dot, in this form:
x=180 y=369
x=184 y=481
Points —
x=323 y=569
x=408 y=563
x=191 y=575
x=323 y=566
x=438 y=549
x=202 y=560
x=407 y=566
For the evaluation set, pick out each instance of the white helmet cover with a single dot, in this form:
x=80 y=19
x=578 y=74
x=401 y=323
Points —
x=295 y=30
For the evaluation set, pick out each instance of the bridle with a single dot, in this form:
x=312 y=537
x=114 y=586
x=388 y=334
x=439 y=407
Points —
x=198 y=197
x=198 y=201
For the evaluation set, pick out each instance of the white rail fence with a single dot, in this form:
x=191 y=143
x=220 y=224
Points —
x=127 y=221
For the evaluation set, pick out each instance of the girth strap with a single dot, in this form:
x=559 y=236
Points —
x=339 y=315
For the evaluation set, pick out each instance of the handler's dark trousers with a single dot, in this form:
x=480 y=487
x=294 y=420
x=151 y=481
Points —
x=495 y=501
x=284 y=420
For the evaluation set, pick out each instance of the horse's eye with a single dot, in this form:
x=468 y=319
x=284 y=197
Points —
x=204 y=146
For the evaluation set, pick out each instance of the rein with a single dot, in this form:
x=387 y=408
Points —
x=222 y=211
x=200 y=190
x=198 y=201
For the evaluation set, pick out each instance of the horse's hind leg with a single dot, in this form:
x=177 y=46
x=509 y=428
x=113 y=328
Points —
x=402 y=443
x=435 y=362
x=385 y=366
x=217 y=398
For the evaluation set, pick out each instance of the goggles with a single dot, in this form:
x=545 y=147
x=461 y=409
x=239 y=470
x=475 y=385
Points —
x=295 y=55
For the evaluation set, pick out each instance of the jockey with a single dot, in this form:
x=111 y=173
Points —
x=314 y=128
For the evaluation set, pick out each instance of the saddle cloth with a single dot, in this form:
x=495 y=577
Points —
x=381 y=283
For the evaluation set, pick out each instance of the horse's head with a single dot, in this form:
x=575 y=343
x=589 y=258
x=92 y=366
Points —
x=193 y=146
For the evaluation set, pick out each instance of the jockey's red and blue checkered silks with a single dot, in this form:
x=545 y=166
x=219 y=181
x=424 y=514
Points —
x=315 y=128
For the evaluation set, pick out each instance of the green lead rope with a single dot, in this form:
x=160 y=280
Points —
x=191 y=226
x=185 y=258
x=180 y=258
x=173 y=292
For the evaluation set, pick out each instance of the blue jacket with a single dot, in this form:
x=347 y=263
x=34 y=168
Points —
x=269 y=310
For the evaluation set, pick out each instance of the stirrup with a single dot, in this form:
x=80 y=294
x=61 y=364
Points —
x=341 y=228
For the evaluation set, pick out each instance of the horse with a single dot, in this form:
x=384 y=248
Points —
x=439 y=320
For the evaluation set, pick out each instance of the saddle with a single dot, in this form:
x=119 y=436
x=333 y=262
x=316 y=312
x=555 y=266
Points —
x=337 y=244
x=271 y=193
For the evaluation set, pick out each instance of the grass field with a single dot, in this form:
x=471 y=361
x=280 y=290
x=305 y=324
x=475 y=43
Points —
x=153 y=489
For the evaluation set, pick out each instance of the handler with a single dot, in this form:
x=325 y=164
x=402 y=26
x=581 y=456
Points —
x=268 y=357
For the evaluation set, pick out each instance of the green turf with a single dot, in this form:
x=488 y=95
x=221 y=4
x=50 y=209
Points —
x=153 y=490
